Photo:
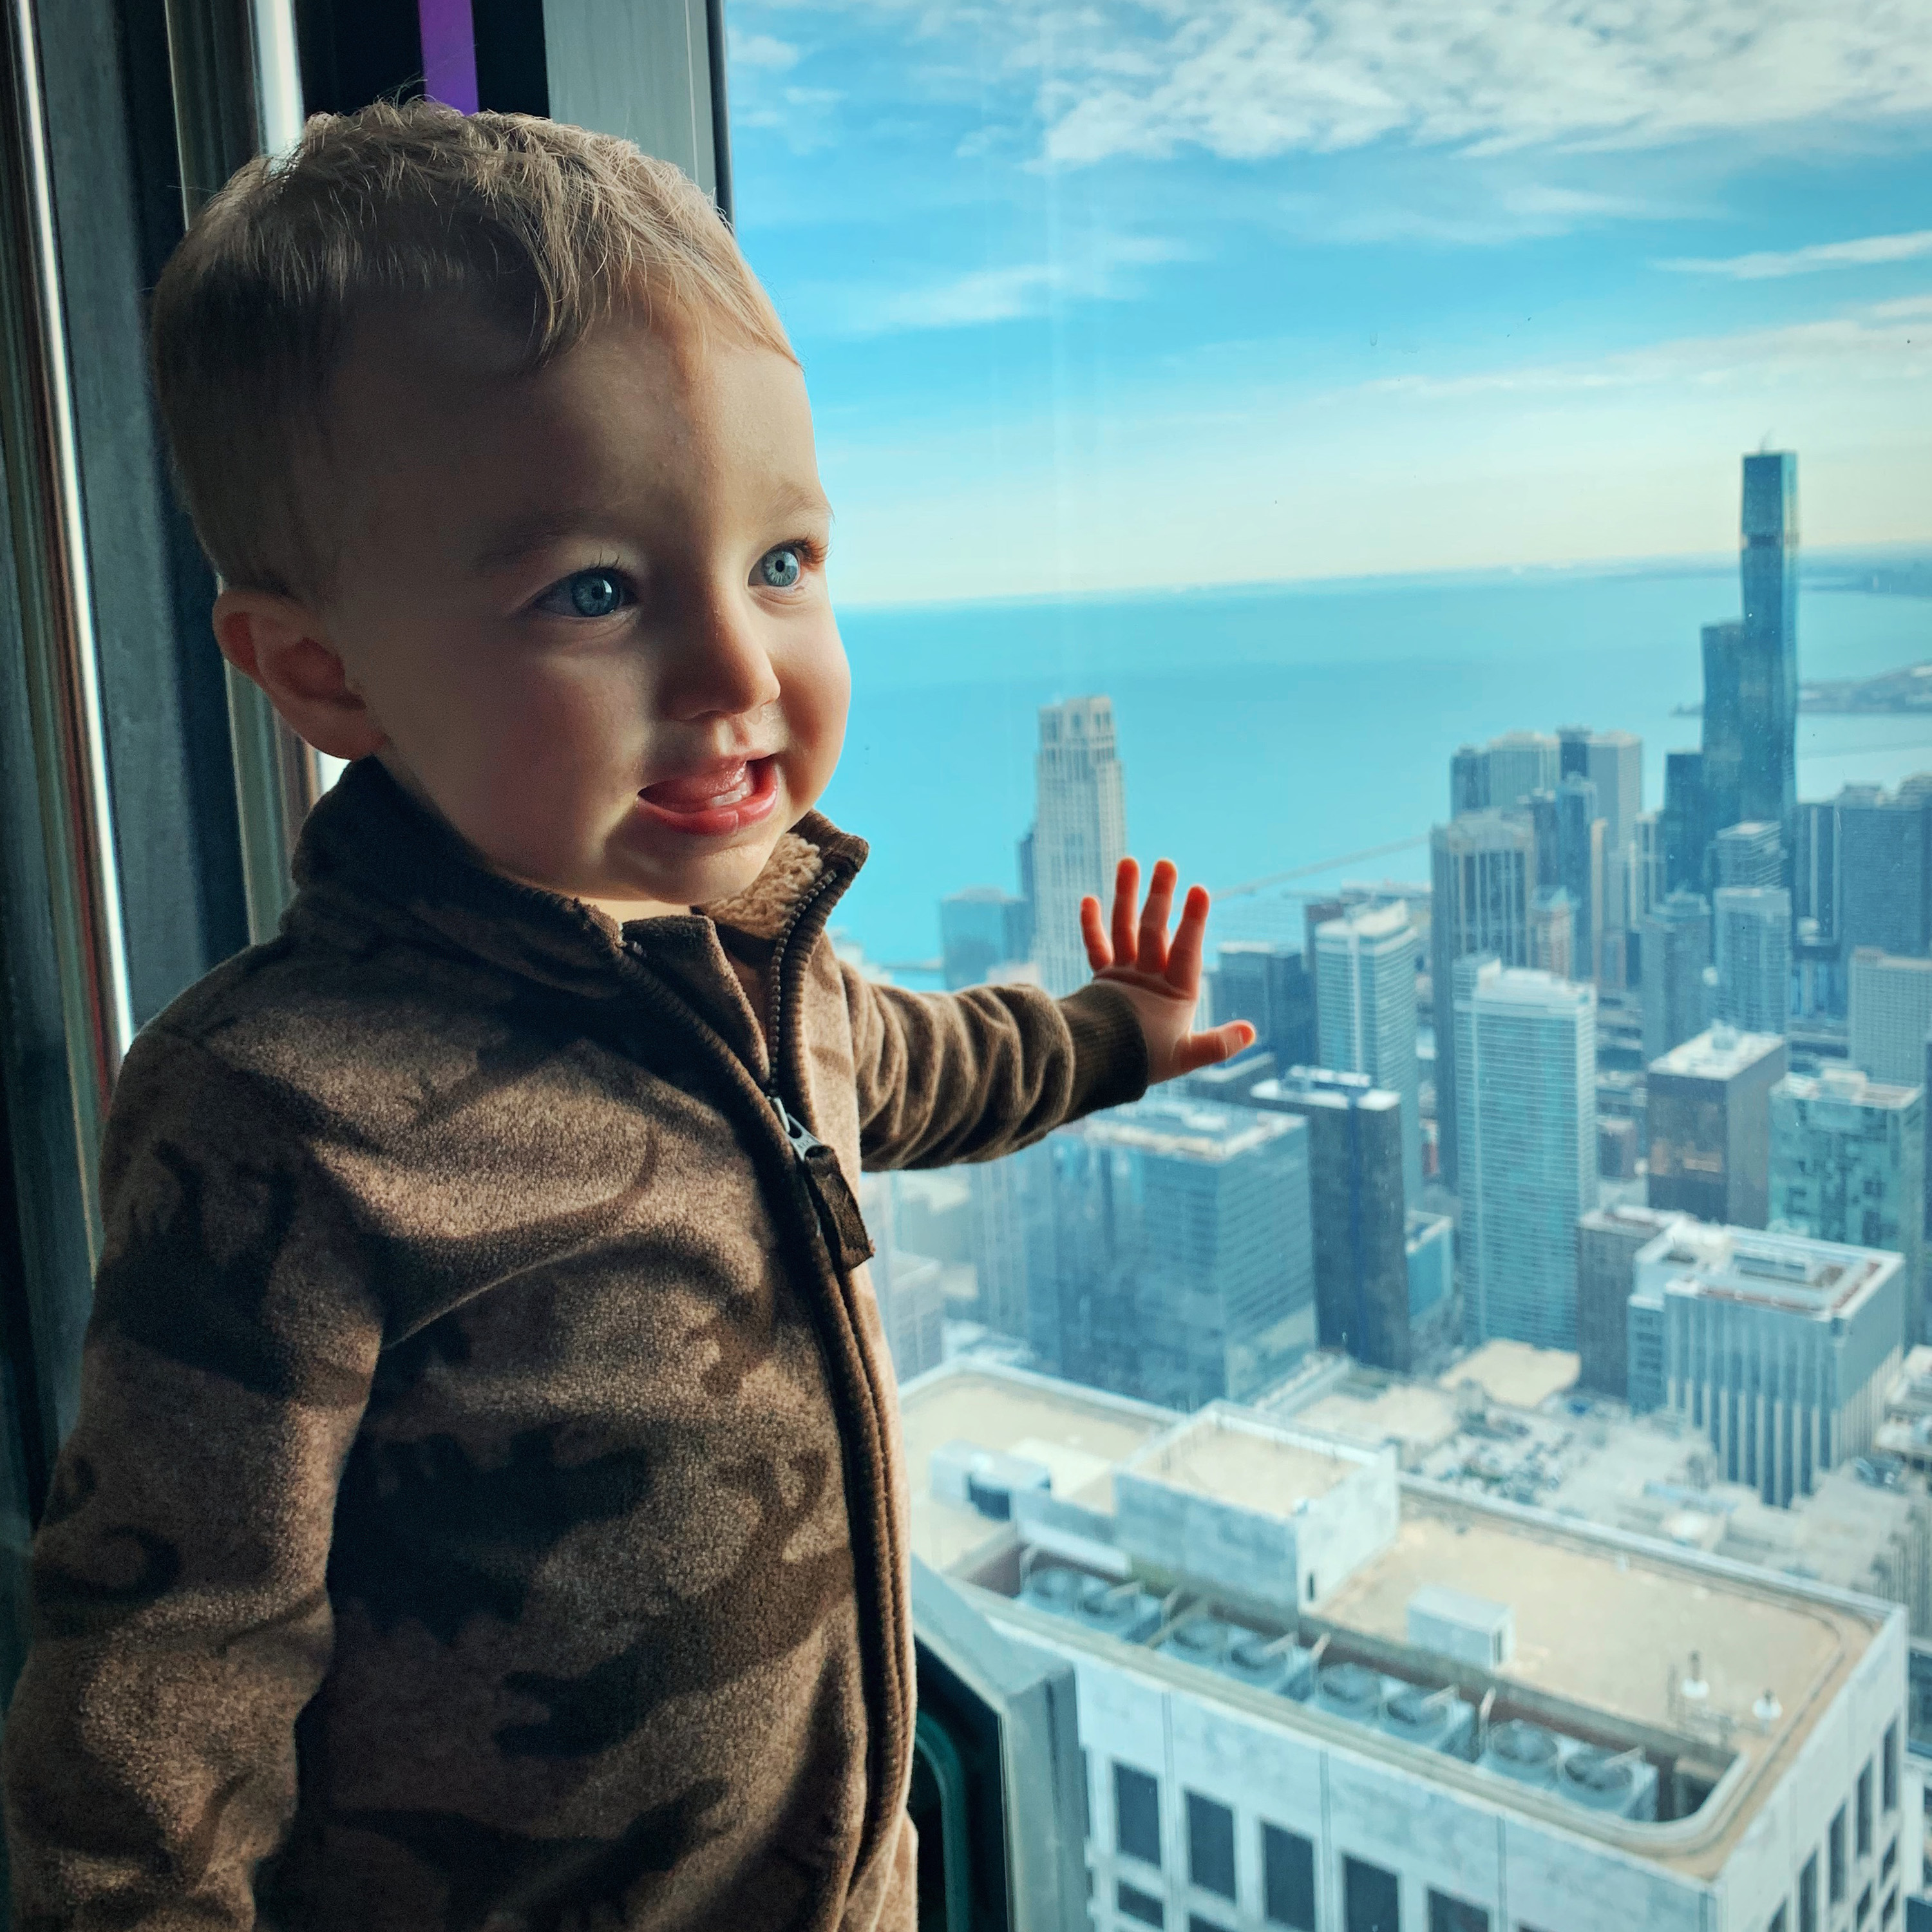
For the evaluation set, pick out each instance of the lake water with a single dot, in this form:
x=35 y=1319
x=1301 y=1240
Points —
x=1263 y=729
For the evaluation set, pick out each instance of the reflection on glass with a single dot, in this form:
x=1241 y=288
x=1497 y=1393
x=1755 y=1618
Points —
x=1363 y=453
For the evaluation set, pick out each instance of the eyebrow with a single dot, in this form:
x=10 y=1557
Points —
x=511 y=545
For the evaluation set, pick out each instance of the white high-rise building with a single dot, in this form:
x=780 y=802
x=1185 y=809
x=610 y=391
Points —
x=1520 y=763
x=1365 y=1001
x=1891 y=1007
x=1526 y=1088
x=1080 y=832
x=1752 y=944
x=1313 y=1694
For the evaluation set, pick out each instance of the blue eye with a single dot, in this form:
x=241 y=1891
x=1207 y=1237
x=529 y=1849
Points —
x=780 y=569
x=599 y=592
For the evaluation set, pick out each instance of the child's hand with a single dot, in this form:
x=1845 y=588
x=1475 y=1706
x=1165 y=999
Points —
x=1162 y=980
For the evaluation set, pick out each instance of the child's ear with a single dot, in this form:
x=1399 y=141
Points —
x=282 y=645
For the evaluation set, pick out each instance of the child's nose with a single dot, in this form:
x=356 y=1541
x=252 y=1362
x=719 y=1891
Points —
x=721 y=663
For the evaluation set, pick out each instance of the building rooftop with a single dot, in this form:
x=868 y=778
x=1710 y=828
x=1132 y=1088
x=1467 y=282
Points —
x=1516 y=1373
x=1261 y=1468
x=1416 y=1416
x=1321 y=1087
x=1719 y=1053
x=1366 y=922
x=1846 y=1084
x=1631 y=1217
x=1081 y=1435
x=1791 y=1273
x=1606 y=1626
x=1188 y=1130
x=1527 y=986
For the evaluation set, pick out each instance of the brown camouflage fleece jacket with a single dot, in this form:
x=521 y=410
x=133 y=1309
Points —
x=486 y=1512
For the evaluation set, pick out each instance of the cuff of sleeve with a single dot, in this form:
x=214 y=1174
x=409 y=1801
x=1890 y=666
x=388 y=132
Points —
x=1110 y=1055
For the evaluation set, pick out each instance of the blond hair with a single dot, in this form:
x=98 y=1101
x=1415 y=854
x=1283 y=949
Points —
x=540 y=226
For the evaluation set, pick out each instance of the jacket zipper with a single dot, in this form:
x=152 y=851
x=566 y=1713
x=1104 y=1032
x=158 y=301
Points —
x=832 y=1197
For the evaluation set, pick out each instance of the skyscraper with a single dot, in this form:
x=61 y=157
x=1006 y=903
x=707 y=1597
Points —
x=980 y=929
x=1708 y=1111
x=1203 y=1273
x=1482 y=867
x=1891 y=1001
x=1526 y=1084
x=1269 y=986
x=1780 y=1347
x=1080 y=832
x=1468 y=780
x=1848 y=1164
x=1768 y=564
x=1750 y=667
x=1520 y=763
x=1750 y=854
x=1608 y=1242
x=1686 y=824
x=1365 y=964
x=1884 y=856
x=1613 y=762
x=1580 y=833
x=1355 y=1157
x=1752 y=941
x=1676 y=949
x=1814 y=869
x=1552 y=933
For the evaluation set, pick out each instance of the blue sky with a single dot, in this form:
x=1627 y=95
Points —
x=1101 y=296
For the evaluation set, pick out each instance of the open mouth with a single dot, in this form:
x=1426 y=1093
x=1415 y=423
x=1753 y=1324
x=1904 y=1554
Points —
x=720 y=799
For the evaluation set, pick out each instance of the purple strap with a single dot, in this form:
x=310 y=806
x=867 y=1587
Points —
x=449 y=53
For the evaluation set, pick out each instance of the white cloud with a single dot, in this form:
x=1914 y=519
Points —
x=1004 y=294
x=1249 y=79
x=762 y=50
x=1771 y=264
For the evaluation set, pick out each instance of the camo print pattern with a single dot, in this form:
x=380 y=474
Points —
x=485 y=1512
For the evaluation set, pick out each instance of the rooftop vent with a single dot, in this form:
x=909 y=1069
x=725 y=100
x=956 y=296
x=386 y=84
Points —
x=1623 y=1782
x=968 y=1477
x=1471 y=1629
x=1524 y=1751
x=1433 y=1719
x=1233 y=1650
x=1123 y=1610
x=1351 y=1690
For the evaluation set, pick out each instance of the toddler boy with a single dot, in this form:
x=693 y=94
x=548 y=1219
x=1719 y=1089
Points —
x=486 y=1509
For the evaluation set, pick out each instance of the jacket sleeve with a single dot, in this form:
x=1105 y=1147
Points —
x=180 y=1617
x=947 y=1077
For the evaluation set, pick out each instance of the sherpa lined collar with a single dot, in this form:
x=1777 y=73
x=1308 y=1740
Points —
x=371 y=853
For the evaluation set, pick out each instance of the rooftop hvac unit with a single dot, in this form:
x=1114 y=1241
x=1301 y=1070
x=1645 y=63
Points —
x=1524 y=1751
x=1123 y=1610
x=1436 y=1720
x=1452 y=1623
x=1623 y=1782
x=1351 y=1690
x=1233 y=1650
x=968 y=1477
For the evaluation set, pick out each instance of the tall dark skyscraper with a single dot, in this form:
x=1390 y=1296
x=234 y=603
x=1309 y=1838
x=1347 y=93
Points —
x=1580 y=865
x=1750 y=668
x=1687 y=827
x=1482 y=868
x=1269 y=986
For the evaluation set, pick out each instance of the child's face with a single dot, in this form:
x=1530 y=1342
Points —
x=584 y=610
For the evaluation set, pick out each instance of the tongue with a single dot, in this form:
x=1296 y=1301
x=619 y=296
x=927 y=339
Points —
x=692 y=794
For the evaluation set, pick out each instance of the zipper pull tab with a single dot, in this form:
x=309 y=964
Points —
x=839 y=1219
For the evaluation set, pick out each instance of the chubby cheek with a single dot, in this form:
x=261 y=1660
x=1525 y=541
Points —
x=817 y=688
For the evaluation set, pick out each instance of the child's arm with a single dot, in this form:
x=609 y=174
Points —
x=181 y=1618
x=946 y=1077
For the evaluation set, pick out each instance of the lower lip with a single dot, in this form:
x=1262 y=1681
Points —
x=720 y=821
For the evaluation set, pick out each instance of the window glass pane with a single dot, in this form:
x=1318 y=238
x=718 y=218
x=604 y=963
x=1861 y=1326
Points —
x=1864 y=1797
x=1836 y=1843
x=1888 y=1760
x=1139 y=1904
x=1211 y=1845
x=1807 y=1895
x=1288 y=1879
x=1455 y=1915
x=1371 y=1898
x=1776 y=1923
x=1197 y=1924
x=1136 y=1813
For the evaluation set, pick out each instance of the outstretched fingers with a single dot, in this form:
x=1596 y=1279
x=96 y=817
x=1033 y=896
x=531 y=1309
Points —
x=1183 y=958
x=1099 y=954
x=1151 y=954
x=1126 y=909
